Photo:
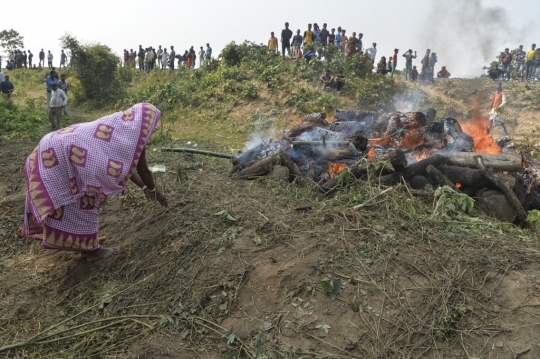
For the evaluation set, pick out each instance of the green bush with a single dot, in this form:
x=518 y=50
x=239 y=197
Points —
x=16 y=122
x=97 y=72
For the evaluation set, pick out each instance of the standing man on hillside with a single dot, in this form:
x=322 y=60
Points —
x=351 y=50
x=308 y=36
x=331 y=36
x=272 y=43
x=42 y=58
x=164 y=59
x=208 y=55
x=394 y=62
x=30 y=57
x=520 y=62
x=64 y=86
x=140 y=55
x=324 y=35
x=536 y=64
x=529 y=62
x=337 y=38
x=50 y=60
x=202 y=55
x=286 y=35
x=57 y=104
x=344 y=41
x=49 y=81
x=372 y=52
x=159 y=57
x=408 y=62
x=297 y=39
x=172 y=57
x=425 y=66
x=495 y=108
x=506 y=60
x=359 y=42
x=316 y=33
x=63 y=59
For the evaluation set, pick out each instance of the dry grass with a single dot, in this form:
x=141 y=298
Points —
x=187 y=281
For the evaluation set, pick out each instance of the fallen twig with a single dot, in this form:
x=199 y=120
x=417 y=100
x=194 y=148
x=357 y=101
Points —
x=372 y=198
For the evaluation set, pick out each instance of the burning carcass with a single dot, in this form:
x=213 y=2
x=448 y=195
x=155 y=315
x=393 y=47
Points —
x=419 y=153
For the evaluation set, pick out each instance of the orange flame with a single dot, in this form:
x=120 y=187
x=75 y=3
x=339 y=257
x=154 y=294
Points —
x=335 y=169
x=458 y=185
x=422 y=154
x=412 y=139
x=477 y=128
x=371 y=155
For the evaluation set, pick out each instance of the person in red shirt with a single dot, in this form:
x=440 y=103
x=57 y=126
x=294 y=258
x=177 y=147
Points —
x=506 y=60
x=443 y=74
x=394 y=62
x=413 y=74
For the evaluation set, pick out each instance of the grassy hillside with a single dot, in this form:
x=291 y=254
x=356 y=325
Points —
x=266 y=269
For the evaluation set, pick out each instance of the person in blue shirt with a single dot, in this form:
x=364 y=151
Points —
x=208 y=51
x=309 y=54
x=49 y=81
x=6 y=87
x=337 y=39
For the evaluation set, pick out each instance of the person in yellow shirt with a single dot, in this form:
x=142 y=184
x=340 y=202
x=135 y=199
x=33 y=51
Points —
x=344 y=41
x=272 y=43
x=308 y=36
x=529 y=62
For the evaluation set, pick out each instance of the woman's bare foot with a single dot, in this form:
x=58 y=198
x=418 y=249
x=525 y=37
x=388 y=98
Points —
x=101 y=253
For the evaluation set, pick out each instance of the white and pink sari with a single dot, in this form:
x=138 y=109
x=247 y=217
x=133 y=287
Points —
x=73 y=170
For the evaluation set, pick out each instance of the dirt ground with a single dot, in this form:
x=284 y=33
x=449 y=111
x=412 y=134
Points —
x=234 y=269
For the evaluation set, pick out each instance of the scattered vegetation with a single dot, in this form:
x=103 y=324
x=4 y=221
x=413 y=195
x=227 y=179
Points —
x=96 y=70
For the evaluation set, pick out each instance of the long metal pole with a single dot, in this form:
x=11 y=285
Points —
x=200 y=152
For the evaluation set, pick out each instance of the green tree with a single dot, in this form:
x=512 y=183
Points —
x=97 y=71
x=11 y=40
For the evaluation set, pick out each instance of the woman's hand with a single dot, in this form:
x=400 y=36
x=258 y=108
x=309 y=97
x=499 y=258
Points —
x=152 y=196
x=161 y=199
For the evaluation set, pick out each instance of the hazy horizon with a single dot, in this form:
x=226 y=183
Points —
x=465 y=34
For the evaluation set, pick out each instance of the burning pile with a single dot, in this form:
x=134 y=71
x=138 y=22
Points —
x=422 y=154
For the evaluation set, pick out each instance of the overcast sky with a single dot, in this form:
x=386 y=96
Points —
x=465 y=34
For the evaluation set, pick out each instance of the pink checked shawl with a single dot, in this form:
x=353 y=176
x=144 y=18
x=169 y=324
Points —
x=94 y=158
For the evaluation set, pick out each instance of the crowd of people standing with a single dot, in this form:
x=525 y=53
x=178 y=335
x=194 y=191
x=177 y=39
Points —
x=525 y=65
x=147 y=58
x=303 y=46
x=24 y=59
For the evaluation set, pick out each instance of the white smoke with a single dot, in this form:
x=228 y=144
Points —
x=467 y=35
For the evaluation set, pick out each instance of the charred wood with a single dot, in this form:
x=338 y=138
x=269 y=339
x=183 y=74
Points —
x=355 y=115
x=468 y=177
x=317 y=117
x=395 y=156
x=436 y=177
x=418 y=168
x=505 y=188
x=502 y=162
x=258 y=169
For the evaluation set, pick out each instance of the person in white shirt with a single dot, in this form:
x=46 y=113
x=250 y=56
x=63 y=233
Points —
x=164 y=58
x=202 y=54
x=2 y=77
x=56 y=106
x=372 y=51
x=159 y=57
x=147 y=58
x=49 y=59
